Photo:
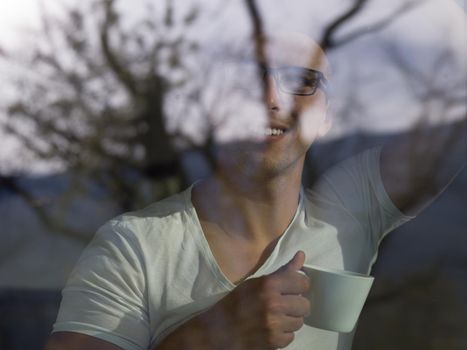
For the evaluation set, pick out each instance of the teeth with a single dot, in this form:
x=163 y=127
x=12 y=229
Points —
x=273 y=131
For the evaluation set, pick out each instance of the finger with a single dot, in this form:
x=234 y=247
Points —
x=291 y=282
x=282 y=340
x=291 y=324
x=296 y=305
x=295 y=263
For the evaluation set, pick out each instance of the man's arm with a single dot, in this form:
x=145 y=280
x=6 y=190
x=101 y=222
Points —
x=77 y=341
x=416 y=167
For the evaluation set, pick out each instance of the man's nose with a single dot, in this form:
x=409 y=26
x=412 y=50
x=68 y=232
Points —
x=273 y=96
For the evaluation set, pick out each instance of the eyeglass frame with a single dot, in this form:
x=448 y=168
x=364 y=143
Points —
x=322 y=81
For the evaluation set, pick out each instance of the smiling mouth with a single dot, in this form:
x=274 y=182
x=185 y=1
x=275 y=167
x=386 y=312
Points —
x=274 y=131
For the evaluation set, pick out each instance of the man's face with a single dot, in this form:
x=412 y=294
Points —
x=274 y=114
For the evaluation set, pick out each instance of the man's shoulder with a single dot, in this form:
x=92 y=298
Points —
x=350 y=185
x=159 y=217
x=163 y=208
x=355 y=173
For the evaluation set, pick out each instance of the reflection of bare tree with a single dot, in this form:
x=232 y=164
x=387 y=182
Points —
x=97 y=106
x=100 y=101
x=329 y=39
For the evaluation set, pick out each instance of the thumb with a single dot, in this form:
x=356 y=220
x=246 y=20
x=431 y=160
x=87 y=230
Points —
x=296 y=262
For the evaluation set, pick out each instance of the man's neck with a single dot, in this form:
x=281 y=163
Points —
x=255 y=210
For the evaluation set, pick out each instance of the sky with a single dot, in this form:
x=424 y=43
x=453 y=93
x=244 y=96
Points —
x=18 y=17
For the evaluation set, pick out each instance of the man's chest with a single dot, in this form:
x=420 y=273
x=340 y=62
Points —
x=237 y=258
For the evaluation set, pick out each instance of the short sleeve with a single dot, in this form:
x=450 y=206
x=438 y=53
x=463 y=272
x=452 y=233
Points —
x=356 y=186
x=106 y=296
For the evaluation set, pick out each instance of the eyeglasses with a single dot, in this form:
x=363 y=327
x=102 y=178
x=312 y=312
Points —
x=242 y=75
x=297 y=80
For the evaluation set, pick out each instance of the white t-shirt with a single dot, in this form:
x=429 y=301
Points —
x=148 y=271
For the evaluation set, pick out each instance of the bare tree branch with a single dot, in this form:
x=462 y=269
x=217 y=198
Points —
x=378 y=26
x=327 y=42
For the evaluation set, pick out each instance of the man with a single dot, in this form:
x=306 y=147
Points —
x=216 y=267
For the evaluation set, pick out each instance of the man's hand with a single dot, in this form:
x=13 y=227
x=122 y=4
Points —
x=261 y=313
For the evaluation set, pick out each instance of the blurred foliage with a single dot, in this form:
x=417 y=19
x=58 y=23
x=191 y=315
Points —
x=97 y=108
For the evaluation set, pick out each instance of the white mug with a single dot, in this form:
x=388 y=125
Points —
x=337 y=297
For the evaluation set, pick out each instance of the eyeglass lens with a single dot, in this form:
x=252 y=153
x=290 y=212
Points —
x=296 y=80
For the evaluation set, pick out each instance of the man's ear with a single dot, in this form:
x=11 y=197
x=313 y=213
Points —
x=327 y=124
